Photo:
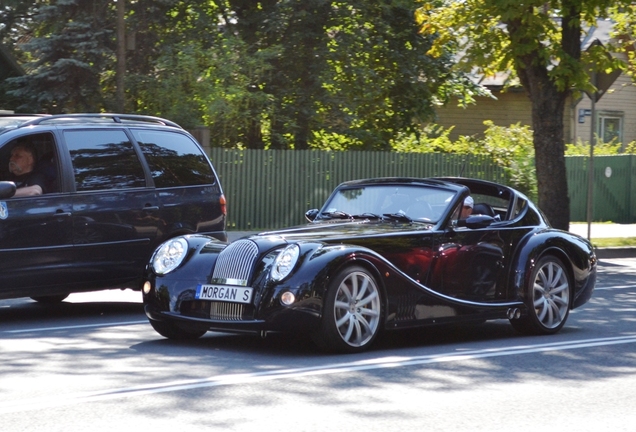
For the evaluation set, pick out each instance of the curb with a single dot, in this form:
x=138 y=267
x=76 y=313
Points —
x=615 y=252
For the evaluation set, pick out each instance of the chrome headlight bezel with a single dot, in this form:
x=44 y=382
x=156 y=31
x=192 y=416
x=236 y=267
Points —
x=285 y=262
x=169 y=255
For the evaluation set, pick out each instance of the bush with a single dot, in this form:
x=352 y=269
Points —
x=510 y=147
x=582 y=148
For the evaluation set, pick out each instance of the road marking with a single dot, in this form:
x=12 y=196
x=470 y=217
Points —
x=612 y=287
x=330 y=369
x=73 y=327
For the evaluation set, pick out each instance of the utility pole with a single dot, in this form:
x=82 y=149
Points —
x=121 y=56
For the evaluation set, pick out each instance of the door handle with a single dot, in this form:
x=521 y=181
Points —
x=150 y=208
x=62 y=213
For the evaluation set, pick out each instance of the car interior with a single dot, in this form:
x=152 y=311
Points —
x=45 y=155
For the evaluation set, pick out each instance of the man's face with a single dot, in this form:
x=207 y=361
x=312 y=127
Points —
x=466 y=211
x=21 y=161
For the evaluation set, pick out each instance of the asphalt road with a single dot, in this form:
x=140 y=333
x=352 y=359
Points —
x=93 y=364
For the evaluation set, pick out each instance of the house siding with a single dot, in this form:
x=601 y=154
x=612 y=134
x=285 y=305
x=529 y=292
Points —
x=507 y=109
x=619 y=99
x=513 y=107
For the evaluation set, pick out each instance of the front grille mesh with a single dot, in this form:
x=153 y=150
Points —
x=235 y=263
x=226 y=311
x=220 y=311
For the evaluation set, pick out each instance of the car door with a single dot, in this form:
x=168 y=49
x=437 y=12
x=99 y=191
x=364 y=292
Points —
x=36 y=245
x=115 y=211
x=470 y=263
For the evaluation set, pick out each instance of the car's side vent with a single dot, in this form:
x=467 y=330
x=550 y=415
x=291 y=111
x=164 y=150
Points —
x=235 y=263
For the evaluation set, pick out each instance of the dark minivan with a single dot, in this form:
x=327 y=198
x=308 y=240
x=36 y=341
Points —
x=114 y=187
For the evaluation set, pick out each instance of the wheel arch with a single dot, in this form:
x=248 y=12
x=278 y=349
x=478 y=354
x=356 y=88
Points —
x=529 y=253
x=367 y=262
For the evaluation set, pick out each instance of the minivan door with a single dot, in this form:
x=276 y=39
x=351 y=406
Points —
x=35 y=231
x=115 y=213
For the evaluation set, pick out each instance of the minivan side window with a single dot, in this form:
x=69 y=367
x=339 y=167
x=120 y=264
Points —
x=174 y=159
x=43 y=148
x=104 y=159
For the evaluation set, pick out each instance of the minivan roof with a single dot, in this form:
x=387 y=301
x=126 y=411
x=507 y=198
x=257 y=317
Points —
x=13 y=121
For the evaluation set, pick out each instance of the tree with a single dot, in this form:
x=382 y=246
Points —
x=358 y=69
x=540 y=42
x=71 y=45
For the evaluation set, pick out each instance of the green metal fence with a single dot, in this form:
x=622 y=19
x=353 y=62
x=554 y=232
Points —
x=268 y=189
x=612 y=193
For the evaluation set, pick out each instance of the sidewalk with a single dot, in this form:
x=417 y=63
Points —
x=604 y=230
x=608 y=230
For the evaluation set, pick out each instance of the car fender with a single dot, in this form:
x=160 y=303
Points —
x=576 y=253
x=318 y=264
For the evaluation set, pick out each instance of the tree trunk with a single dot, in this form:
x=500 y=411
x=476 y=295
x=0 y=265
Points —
x=548 y=104
x=549 y=146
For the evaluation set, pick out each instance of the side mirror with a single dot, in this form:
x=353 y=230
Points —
x=479 y=221
x=311 y=215
x=7 y=189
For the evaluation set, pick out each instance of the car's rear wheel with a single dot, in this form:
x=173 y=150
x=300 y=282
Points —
x=352 y=312
x=172 y=331
x=50 y=299
x=547 y=298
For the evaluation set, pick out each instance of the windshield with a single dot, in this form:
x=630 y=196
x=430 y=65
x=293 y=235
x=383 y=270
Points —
x=410 y=202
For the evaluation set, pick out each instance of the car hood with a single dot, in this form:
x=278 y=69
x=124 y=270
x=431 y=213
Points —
x=341 y=231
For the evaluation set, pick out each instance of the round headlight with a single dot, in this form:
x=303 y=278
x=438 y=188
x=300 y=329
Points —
x=169 y=255
x=285 y=262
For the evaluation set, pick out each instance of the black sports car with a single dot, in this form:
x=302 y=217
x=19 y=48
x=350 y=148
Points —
x=381 y=254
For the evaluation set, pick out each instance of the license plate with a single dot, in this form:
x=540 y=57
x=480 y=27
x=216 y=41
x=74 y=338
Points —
x=225 y=293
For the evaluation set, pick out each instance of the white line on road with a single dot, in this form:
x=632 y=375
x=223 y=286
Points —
x=330 y=369
x=602 y=288
x=73 y=327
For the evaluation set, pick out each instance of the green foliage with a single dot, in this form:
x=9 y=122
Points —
x=582 y=148
x=266 y=74
x=509 y=147
x=512 y=148
x=71 y=46
x=630 y=148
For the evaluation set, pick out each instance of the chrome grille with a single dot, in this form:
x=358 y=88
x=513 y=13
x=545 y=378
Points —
x=226 y=311
x=235 y=263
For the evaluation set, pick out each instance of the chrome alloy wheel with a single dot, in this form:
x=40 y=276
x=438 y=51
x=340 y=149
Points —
x=551 y=294
x=357 y=309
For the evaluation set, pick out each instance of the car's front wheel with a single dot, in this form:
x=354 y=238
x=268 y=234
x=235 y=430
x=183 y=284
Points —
x=172 y=331
x=352 y=312
x=547 y=298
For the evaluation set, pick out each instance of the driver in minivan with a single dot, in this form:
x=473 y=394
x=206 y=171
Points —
x=21 y=166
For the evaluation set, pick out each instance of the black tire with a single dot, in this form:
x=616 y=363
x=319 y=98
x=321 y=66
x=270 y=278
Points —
x=51 y=299
x=548 y=298
x=172 y=331
x=352 y=312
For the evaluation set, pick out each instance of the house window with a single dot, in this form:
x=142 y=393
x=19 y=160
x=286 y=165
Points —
x=610 y=127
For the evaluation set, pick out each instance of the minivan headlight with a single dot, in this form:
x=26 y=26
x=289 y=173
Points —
x=285 y=262
x=169 y=255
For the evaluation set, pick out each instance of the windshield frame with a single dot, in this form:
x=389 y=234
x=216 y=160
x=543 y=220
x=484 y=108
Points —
x=398 y=202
